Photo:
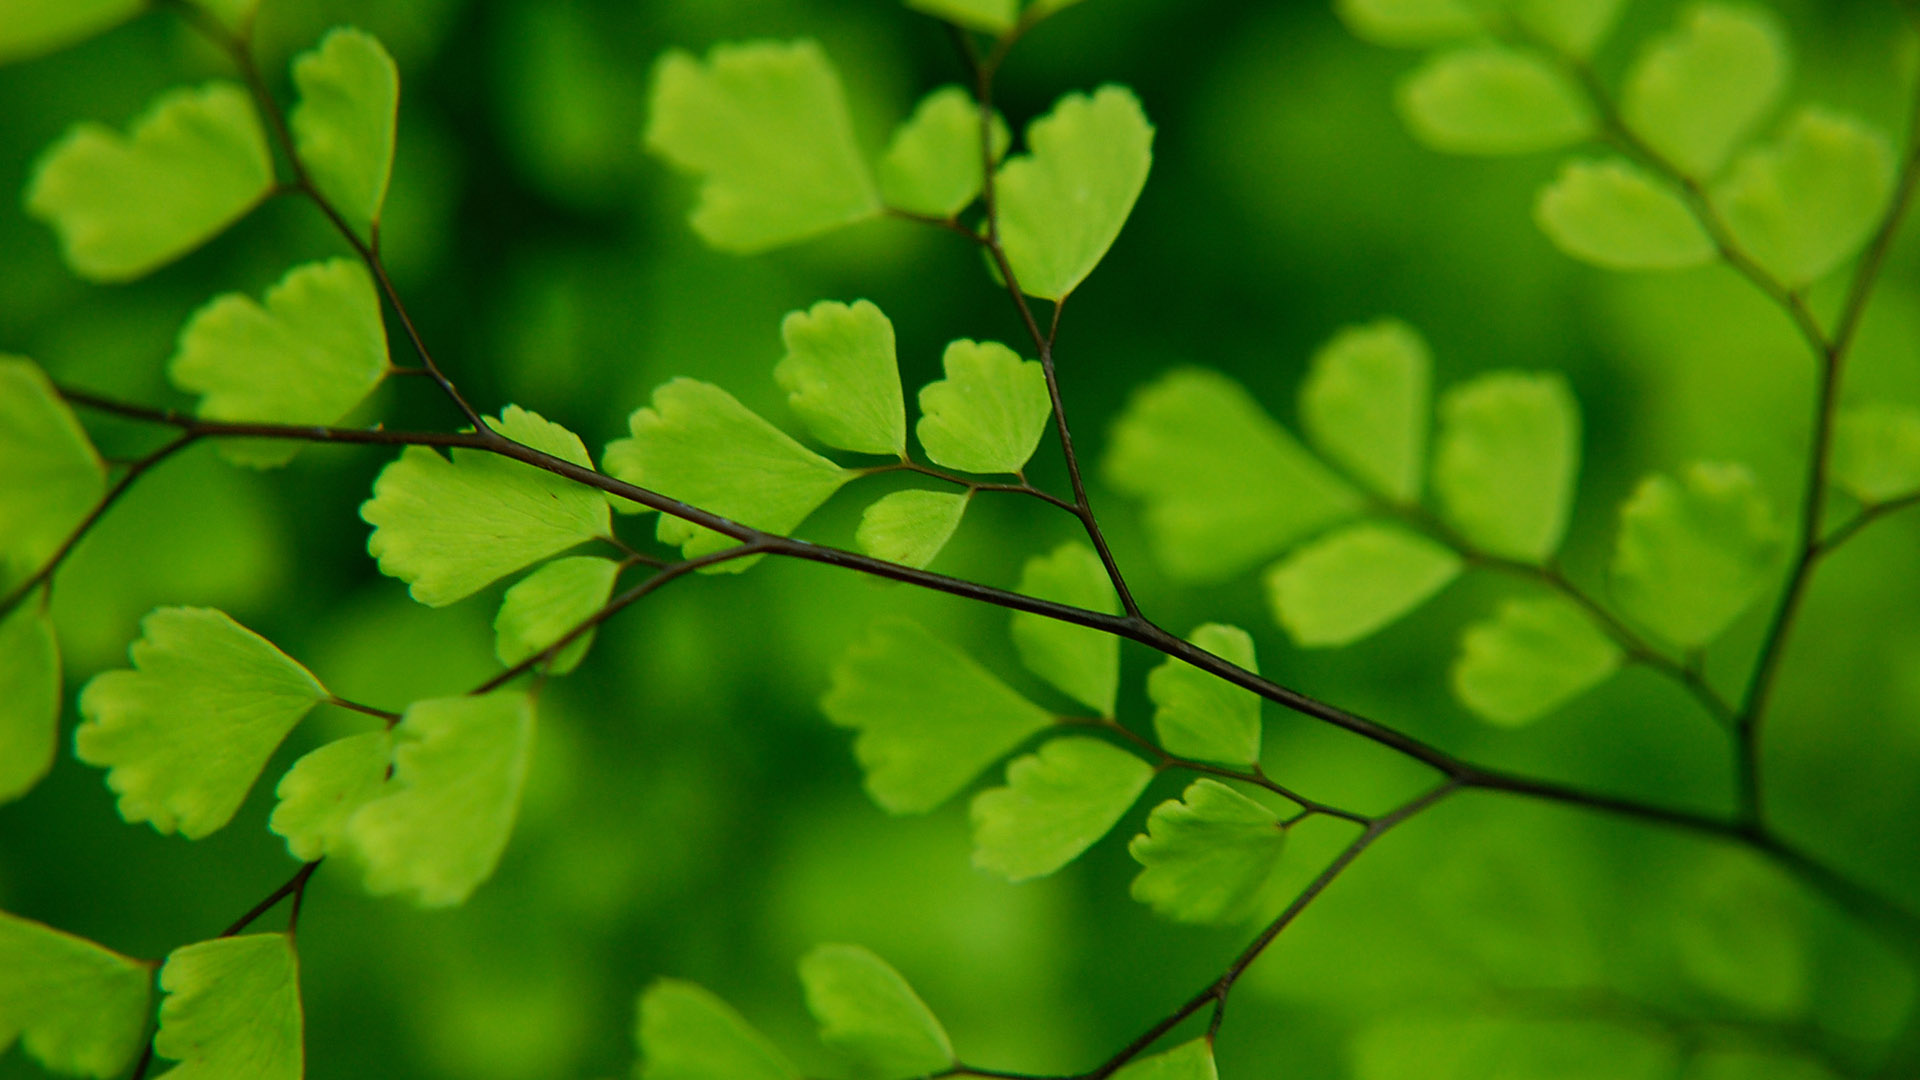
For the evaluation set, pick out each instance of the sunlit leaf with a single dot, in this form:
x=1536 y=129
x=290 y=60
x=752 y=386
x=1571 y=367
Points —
x=929 y=718
x=1342 y=587
x=195 y=162
x=1612 y=214
x=932 y=163
x=344 y=122
x=1224 y=485
x=232 y=1010
x=311 y=354
x=1206 y=855
x=1696 y=92
x=1876 y=451
x=187 y=731
x=1058 y=801
x=1063 y=202
x=32 y=27
x=1202 y=716
x=841 y=377
x=1804 y=204
x=1409 y=23
x=324 y=789
x=439 y=828
x=50 y=475
x=1081 y=662
x=76 y=1007
x=1506 y=462
x=1490 y=99
x=1532 y=657
x=910 y=527
x=548 y=603
x=868 y=1012
x=29 y=698
x=685 y=1033
x=988 y=414
x=1692 y=555
x=765 y=125
x=1366 y=401
x=1188 y=1061
x=452 y=527
x=989 y=16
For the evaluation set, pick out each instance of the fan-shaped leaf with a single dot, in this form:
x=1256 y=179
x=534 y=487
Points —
x=910 y=527
x=50 y=475
x=1058 y=801
x=324 y=789
x=1531 y=658
x=1803 y=205
x=929 y=717
x=187 y=731
x=1876 y=451
x=766 y=127
x=988 y=414
x=1365 y=404
x=1202 y=716
x=196 y=161
x=1692 y=555
x=311 y=354
x=1081 y=662
x=932 y=163
x=1489 y=99
x=1696 y=92
x=989 y=16
x=867 y=1011
x=842 y=379
x=77 y=1007
x=1340 y=588
x=232 y=1010
x=1061 y=205
x=685 y=1033
x=452 y=527
x=344 y=123
x=1612 y=214
x=1409 y=23
x=1188 y=1061
x=548 y=603
x=1507 y=460
x=1575 y=27
x=33 y=27
x=1206 y=855
x=29 y=698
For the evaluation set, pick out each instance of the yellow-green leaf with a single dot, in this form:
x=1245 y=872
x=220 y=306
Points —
x=1200 y=715
x=1345 y=586
x=29 y=697
x=685 y=1033
x=1692 y=555
x=343 y=125
x=1696 y=92
x=1532 y=657
x=1506 y=462
x=869 y=1013
x=50 y=475
x=1058 y=801
x=548 y=603
x=989 y=16
x=76 y=1007
x=1081 y=662
x=1876 y=451
x=1490 y=99
x=1804 y=204
x=30 y=28
x=1612 y=214
x=910 y=527
x=324 y=789
x=988 y=414
x=1409 y=23
x=933 y=162
x=1366 y=401
x=842 y=378
x=1206 y=856
x=233 y=1010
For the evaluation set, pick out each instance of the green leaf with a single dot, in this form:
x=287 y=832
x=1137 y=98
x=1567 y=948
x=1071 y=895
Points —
x=685 y=1033
x=235 y=15
x=449 y=528
x=766 y=127
x=699 y=445
x=77 y=1007
x=842 y=379
x=1489 y=99
x=187 y=731
x=324 y=789
x=1696 y=92
x=1206 y=855
x=1532 y=657
x=1057 y=802
x=232 y=1010
x=910 y=527
x=195 y=163
x=930 y=719
x=988 y=16
x=1507 y=460
x=1365 y=404
x=459 y=765
x=309 y=356
x=1514 y=1045
x=1202 y=716
x=344 y=123
x=50 y=475
x=1225 y=486
x=1575 y=27
x=1612 y=214
x=1691 y=556
x=1876 y=451
x=548 y=603
x=29 y=699
x=867 y=1011
x=932 y=163
x=988 y=414
x=33 y=27
x=1340 y=588
x=1803 y=205
x=1079 y=661
x=1188 y=1061
x=1063 y=202
x=1409 y=23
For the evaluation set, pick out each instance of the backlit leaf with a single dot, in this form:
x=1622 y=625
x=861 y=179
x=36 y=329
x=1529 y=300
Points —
x=842 y=379
x=1365 y=404
x=910 y=527
x=1507 y=460
x=1571 y=26
x=1224 y=485
x=1876 y=451
x=1206 y=855
x=1804 y=204
x=29 y=698
x=1202 y=716
x=33 y=27
x=232 y=1010
x=1188 y=1061
x=868 y=1012
x=989 y=16
x=309 y=356
x=187 y=731
x=76 y=1007
x=1340 y=588
x=1693 y=555
x=1696 y=92
x=932 y=163
x=988 y=414
x=1063 y=202
x=1489 y=99
x=50 y=475
x=324 y=789
x=452 y=527
x=765 y=125
x=548 y=603
x=344 y=122
x=1612 y=214
x=685 y=1033
x=195 y=162
x=1058 y=801
x=929 y=718
x=1081 y=662
x=1532 y=657
x=1409 y=23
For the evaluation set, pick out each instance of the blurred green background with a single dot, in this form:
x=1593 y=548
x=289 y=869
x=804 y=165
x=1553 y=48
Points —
x=691 y=814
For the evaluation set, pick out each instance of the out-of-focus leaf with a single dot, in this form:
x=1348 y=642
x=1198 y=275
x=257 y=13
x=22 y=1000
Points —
x=868 y=1012
x=324 y=789
x=1490 y=99
x=1692 y=555
x=1694 y=93
x=1804 y=204
x=1079 y=661
x=1876 y=451
x=1058 y=801
x=1366 y=401
x=77 y=1007
x=1340 y=588
x=1612 y=214
x=685 y=1033
x=1188 y=1061
x=1532 y=657
x=1506 y=462
x=50 y=474
x=989 y=16
x=29 y=698
x=32 y=27
x=1409 y=23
